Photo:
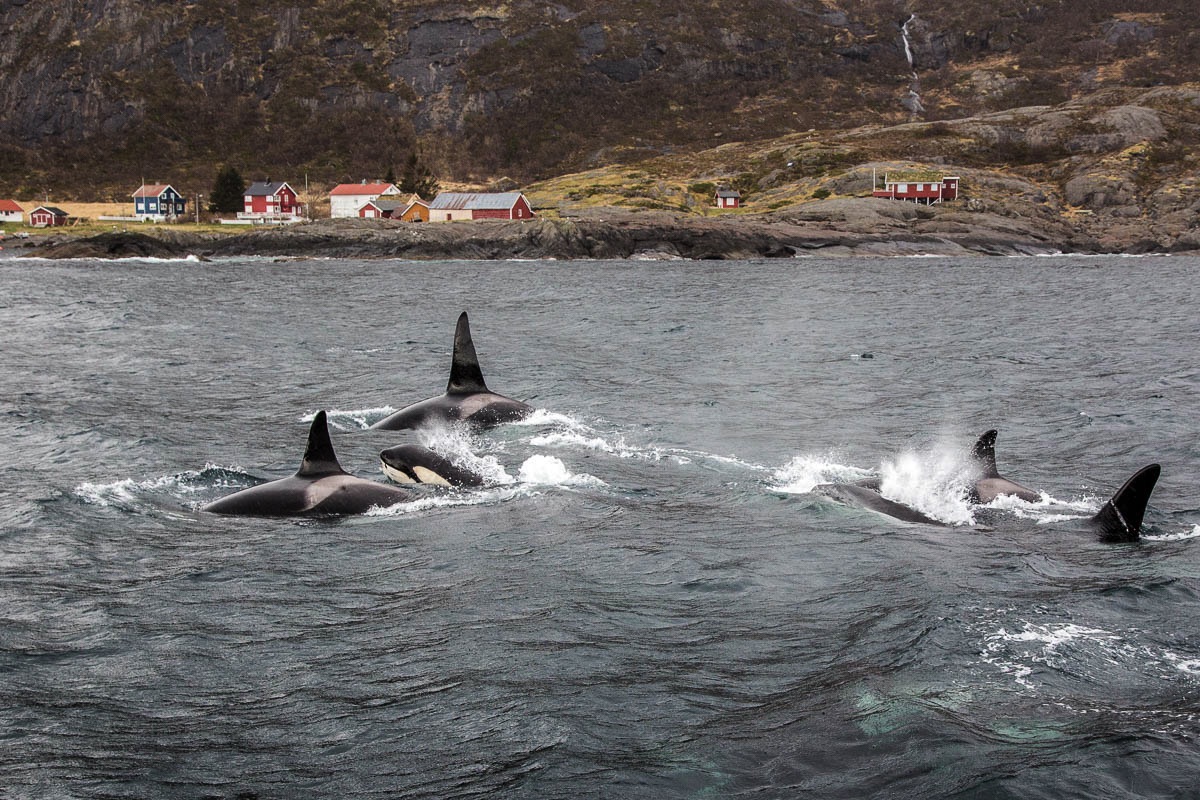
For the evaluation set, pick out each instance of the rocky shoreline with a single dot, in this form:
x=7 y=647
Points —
x=836 y=227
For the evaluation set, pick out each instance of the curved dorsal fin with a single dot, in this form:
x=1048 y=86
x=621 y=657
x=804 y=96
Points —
x=319 y=458
x=1121 y=518
x=465 y=375
x=985 y=454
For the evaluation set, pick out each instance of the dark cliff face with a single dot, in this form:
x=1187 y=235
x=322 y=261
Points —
x=343 y=88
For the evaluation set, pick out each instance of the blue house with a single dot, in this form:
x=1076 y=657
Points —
x=157 y=202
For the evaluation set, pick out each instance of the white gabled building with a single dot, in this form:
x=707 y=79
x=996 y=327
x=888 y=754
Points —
x=347 y=198
x=11 y=211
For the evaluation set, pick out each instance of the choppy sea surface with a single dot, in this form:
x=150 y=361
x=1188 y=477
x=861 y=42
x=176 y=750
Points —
x=647 y=600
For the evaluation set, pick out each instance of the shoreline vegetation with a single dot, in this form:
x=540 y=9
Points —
x=1110 y=172
x=834 y=227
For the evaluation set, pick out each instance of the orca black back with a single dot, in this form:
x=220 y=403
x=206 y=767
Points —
x=466 y=376
x=1121 y=518
x=319 y=458
x=985 y=454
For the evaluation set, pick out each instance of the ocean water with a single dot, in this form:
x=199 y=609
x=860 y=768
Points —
x=646 y=601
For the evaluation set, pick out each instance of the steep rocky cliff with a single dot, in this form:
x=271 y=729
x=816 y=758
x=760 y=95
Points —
x=96 y=91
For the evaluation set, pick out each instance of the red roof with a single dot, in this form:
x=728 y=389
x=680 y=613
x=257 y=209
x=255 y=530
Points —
x=151 y=190
x=10 y=205
x=362 y=188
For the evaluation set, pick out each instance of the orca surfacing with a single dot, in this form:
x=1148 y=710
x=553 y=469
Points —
x=320 y=486
x=467 y=398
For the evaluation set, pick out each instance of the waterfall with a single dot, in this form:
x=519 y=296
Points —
x=913 y=101
x=908 y=53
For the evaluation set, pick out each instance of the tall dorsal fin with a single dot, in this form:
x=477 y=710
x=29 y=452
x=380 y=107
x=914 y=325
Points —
x=1121 y=518
x=985 y=454
x=465 y=375
x=319 y=458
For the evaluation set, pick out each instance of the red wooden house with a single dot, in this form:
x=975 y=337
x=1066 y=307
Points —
x=453 y=206
x=271 y=200
x=47 y=217
x=918 y=191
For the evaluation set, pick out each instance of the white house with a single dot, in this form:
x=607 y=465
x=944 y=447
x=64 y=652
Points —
x=347 y=198
x=10 y=211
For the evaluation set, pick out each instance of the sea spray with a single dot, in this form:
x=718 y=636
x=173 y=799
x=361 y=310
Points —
x=803 y=473
x=935 y=483
x=543 y=470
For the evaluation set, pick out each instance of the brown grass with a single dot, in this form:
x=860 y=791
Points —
x=81 y=210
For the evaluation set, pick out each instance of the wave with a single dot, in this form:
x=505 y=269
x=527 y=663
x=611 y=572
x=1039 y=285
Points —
x=1036 y=653
x=358 y=419
x=1178 y=536
x=191 y=258
x=133 y=495
x=804 y=473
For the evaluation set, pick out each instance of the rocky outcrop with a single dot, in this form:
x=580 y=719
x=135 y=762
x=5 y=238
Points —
x=838 y=227
x=113 y=245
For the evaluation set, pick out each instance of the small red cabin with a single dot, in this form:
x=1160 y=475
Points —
x=47 y=217
x=729 y=198
x=918 y=191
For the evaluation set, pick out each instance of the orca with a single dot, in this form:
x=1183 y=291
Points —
x=991 y=484
x=320 y=486
x=467 y=398
x=1120 y=520
x=860 y=496
x=413 y=463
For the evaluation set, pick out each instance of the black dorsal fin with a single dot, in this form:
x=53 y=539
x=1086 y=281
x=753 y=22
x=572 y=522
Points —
x=985 y=454
x=1121 y=518
x=319 y=458
x=465 y=375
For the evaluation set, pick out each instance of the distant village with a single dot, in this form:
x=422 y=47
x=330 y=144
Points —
x=278 y=203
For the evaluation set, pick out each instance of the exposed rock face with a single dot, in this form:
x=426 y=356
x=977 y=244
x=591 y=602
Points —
x=529 y=86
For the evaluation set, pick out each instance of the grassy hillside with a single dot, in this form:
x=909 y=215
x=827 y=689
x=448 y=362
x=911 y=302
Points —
x=101 y=94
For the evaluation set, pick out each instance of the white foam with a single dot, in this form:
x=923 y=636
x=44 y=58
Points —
x=1053 y=637
x=572 y=439
x=543 y=470
x=803 y=473
x=351 y=419
x=448 y=500
x=118 y=494
x=541 y=417
x=573 y=434
x=188 y=259
x=126 y=493
x=1177 y=536
x=1189 y=666
x=1038 y=644
x=1047 y=510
